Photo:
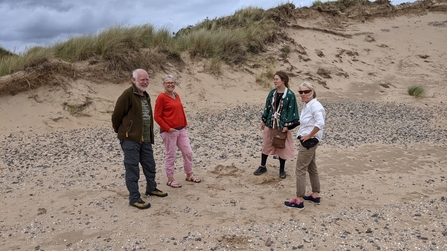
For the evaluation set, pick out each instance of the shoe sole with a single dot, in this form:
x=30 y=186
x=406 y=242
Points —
x=259 y=173
x=158 y=195
x=288 y=204
x=316 y=203
x=141 y=207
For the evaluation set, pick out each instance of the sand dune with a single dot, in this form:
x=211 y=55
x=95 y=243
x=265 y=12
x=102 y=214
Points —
x=382 y=164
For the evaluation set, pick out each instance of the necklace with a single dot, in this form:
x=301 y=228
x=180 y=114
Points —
x=172 y=94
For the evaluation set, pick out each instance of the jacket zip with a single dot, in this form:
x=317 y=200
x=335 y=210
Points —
x=128 y=129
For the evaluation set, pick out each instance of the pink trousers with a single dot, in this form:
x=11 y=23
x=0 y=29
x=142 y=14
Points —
x=171 y=141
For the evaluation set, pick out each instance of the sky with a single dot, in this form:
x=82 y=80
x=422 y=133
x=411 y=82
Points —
x=28 y=23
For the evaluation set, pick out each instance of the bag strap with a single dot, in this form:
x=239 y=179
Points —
x=277 y=114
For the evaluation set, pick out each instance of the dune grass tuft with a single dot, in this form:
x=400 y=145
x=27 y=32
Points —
x=229 y=39
x=416 y=91
x=4 y=52
x=114 y=52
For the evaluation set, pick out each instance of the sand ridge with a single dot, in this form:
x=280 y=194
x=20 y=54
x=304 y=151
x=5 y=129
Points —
x=382 y=163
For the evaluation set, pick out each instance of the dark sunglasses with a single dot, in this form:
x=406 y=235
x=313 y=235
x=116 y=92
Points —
x=306 y=91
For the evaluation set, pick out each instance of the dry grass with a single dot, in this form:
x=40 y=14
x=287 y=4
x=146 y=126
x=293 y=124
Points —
x=265 y=78
x=77 y=109
x=116 y=51
x=4 y=52
x=38 y=73
x=121 y=49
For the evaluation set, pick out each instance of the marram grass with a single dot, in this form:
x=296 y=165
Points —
x=416 y=91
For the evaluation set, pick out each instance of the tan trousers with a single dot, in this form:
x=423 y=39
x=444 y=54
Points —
x=306 y=163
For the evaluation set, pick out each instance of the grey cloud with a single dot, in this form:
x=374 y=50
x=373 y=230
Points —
x=43 y=22
x=49 y=4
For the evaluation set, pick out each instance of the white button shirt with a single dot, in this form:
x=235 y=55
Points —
x=312 y=114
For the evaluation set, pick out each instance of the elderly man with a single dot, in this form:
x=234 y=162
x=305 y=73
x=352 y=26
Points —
x=132 y=120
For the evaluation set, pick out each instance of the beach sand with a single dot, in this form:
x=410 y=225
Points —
x=382 y=163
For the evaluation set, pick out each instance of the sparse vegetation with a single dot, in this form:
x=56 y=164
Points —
x=266 y=78
x=317 y=3
x=4 y=52
x=215 y=65
x=416 y=91
x=286 y=49
x=111 y=54
x=325 y=73
x=227 y=39
x=77 y=109
x=343 y=4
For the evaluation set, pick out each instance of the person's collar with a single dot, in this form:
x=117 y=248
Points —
x=284 y=93
x=135 y=90
x=310 y=101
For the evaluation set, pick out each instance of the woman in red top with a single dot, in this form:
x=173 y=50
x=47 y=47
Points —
x=171 y=118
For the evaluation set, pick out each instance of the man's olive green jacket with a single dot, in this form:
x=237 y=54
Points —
x=127 y=117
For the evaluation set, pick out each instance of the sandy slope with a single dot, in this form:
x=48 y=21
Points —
x=383 y=164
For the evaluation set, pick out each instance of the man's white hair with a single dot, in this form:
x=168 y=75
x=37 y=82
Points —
x=135 y=73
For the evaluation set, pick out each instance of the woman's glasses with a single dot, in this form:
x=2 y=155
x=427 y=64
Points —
x=305 y=91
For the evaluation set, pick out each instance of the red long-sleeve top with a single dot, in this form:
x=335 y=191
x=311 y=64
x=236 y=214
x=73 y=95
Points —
x=169 y=112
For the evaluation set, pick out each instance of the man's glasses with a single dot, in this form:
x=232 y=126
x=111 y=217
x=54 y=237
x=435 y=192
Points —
x=306 y=91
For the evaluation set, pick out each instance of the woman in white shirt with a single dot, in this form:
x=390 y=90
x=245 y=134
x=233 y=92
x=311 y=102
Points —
x=312 y=119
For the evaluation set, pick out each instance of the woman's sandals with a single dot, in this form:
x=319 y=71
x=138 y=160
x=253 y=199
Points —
x=174 y=184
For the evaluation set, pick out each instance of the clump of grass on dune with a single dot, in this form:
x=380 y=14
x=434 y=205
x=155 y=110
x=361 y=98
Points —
x=121 y=46
x=317 y=3
x=343 y=4
x=416 y=91
x=240 y=19
x=230 y=46
x=12 y=62
x=227 y=39
x=265 y=78
x=4 y=52
x=114 y=40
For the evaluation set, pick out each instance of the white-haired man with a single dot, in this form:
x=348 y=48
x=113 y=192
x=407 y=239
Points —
x=133 y=122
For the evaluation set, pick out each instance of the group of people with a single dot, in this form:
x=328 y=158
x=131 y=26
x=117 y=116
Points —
x=281 y=112
x=133 y=121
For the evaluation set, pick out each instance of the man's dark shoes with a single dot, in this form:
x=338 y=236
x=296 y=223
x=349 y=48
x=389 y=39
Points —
x=282 y=174
x=312 y=199
x=157 y=193
x=141 y=204
x=260 y=170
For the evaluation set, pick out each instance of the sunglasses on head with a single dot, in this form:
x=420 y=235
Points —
x=306 y=91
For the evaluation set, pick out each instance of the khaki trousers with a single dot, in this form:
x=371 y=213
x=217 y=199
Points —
x=306 y=163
